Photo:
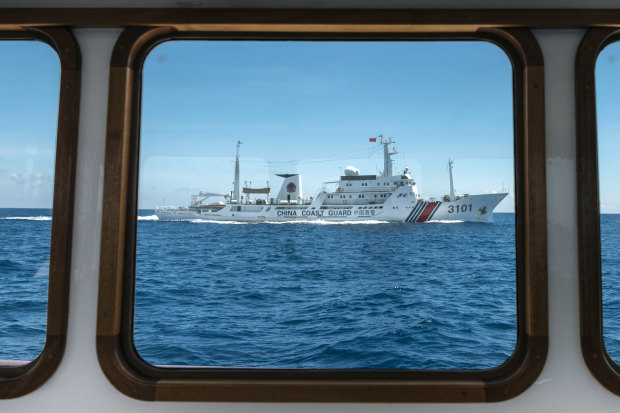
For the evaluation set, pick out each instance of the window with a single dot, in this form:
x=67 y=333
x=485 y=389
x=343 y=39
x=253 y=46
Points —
x=597 y=146
x=607 y=87
x=26 y=184
x=39 y=83
x=238 y=382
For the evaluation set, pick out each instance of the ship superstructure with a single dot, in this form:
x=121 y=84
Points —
x=384 y=197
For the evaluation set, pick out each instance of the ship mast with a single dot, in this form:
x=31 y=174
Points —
x=387 y=155
x=236 y=193
x=450 y=164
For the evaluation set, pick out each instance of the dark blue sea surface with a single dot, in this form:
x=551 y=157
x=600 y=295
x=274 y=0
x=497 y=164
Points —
x=434 y=295
x=610 y=267
x=319 y=295
x=24 y=267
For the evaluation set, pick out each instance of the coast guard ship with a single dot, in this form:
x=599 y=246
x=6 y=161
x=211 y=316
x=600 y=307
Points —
x=386 y=197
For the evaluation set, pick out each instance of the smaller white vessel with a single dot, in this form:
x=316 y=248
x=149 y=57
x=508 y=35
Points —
x=386 y=197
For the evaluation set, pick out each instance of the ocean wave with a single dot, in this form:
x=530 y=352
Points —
x=148 y=218
x=210 y=221
x=445 y=221
x=8 y=264
x=41 y=218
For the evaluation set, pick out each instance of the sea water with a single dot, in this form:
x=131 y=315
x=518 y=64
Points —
x=24 y=268
x=326 y=295
x=292 y=295
x=610 y=263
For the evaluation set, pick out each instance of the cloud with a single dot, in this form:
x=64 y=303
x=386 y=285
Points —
x=26 y=178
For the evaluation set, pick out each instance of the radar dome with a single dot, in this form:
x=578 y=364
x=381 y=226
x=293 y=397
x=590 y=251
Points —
x=351 y=171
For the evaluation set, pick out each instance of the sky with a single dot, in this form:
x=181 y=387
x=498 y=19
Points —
x=29 y=89
x=296 y=106
x=311 y=107
x=607 y=78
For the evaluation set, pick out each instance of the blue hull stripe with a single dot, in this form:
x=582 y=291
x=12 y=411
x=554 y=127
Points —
x=411 y=213
x=417 y=211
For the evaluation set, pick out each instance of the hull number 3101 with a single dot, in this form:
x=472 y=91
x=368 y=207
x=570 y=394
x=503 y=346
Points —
x=459 y=208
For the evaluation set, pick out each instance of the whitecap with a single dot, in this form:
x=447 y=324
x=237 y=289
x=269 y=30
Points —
x=211 y=221
x=148 y=218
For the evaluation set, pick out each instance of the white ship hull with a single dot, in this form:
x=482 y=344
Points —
x=471 y=208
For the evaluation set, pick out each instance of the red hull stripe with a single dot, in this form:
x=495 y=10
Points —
x=435 y=210
x=427 y=211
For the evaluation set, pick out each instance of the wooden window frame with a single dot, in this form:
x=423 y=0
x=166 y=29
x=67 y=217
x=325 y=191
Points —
x=136 y=378
x=19 y=380
x=601 y=365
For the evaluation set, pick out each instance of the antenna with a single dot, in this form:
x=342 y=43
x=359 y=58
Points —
x=450 y=164
x=237 y=195
x=387 y=154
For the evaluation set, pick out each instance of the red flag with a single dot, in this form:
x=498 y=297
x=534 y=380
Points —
x=373 y=139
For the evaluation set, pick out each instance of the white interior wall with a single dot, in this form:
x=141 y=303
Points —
x=565 y=384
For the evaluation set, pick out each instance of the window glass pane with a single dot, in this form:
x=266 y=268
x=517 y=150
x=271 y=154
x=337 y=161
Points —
x=29 y=86
x=607 y=106
x=338 y=247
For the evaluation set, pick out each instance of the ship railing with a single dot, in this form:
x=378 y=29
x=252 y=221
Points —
x=302 y=201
